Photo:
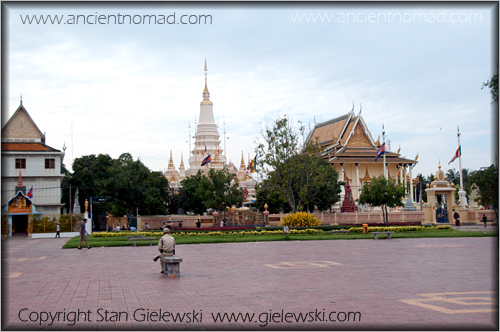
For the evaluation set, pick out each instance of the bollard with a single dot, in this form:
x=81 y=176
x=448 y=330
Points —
x=365 y=228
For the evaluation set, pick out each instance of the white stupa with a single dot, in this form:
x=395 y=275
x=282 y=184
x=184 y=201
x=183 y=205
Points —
x=206 y=140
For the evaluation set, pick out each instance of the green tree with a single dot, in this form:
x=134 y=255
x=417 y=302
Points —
x=453 y=176
x=492 y=84
x=381 y=192
x=486 y=179
x=214 y=191
x=421 y=186
x=274 y=199
x=88 y=171
x=190 y=196
x=127 y=184
x=218 y=192
x=300 y=176
x=132 y=185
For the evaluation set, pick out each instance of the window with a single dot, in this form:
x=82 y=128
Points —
x=50 y=163
x=21 y=163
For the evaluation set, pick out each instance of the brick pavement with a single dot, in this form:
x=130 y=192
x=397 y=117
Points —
x=448 y=283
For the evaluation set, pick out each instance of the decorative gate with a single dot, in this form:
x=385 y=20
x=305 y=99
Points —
x=442 y=215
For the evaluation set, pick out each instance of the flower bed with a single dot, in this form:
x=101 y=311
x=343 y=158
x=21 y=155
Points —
x=213 y=233
x=378 y=224
x=398 y=229
x=211 y=229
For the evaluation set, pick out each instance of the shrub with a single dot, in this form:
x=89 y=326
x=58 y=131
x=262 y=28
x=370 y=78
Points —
x=300 y=219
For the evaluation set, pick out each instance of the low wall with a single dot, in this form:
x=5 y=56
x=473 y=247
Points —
x=476 y=216
x=189 y=221
x=155 y=222
x=358 y=217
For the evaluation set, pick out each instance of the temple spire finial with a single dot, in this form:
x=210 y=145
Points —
x=206 y=93
x=21 y=98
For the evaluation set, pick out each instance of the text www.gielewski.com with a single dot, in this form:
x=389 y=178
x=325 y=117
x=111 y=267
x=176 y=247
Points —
x=287 y=317
x=96 y=18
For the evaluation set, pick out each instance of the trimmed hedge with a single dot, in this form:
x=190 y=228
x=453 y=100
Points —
x=300 y=219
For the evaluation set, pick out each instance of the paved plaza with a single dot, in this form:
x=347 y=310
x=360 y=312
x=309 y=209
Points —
x=404 y=284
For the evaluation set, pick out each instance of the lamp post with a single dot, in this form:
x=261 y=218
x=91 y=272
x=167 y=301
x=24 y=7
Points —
x=215 y=214
x=266 y=215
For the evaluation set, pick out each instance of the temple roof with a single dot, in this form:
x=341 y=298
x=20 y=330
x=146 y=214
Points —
x=37 y=146
x=347 y=139
x=21 y=126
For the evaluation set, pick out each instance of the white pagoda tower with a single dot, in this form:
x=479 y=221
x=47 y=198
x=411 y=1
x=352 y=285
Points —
x=206 y=141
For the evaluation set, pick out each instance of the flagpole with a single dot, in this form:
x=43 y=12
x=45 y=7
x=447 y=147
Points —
x=461 y=193
x=385 y=149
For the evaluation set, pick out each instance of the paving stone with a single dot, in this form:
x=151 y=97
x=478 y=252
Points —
x=445 y=283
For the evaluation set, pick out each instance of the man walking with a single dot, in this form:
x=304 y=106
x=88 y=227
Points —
x=58 y=230
x=166 y=246
x=83 y=234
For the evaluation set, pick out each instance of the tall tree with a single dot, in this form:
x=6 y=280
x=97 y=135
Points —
x=127 y=184
x=190 y=196
x=381 y=192
x=486 y=179
x=453 y=176
x=88 y=171
x=492 y=84
x=421 y=186
x=299 y=175
x=215 y=191
x=219 y=191
x=274 y=199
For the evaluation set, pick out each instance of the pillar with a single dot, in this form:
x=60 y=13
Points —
x=411 y=182
x=356 y=196
x=401 y=173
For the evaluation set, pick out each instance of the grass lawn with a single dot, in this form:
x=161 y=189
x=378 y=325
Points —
x=123 y=242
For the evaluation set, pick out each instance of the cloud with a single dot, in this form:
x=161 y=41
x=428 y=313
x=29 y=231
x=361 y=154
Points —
x=115 y=89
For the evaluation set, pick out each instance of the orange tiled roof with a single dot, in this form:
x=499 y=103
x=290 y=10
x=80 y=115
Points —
x=27 y=147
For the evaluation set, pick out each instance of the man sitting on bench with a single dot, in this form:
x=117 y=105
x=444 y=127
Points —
x=166 y=246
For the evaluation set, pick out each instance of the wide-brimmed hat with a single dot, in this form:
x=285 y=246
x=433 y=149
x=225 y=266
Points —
x=166 y=230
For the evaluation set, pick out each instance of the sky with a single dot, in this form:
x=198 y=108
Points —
x=101 y=85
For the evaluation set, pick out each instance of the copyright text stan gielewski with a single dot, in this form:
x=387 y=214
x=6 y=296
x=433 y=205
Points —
x=71 y=317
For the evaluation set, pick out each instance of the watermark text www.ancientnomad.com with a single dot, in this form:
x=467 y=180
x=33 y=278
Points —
x=387 y=17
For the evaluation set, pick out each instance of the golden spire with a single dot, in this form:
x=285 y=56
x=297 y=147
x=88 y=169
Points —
x=182 y=163
x=206 y=94
x=242 y=165
x=171 y=162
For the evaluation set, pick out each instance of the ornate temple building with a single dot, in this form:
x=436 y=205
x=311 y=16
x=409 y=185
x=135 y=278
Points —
x=31 y=173
x=348 y=145
x=207 y=143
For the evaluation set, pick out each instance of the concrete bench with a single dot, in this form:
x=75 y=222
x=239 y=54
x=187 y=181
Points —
x=135 y=239
x=171 y=265
x=335 y=232
x=375 y=234
x=132 y=236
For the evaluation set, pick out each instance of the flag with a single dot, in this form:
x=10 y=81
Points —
x=30 y=193
x=206 y=160
x=253 y=165
x=458 y=153
x=380 y=151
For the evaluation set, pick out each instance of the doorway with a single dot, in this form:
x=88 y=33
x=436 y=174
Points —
x=20 y=225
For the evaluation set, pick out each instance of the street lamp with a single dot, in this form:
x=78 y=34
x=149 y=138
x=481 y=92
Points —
x=266 y=213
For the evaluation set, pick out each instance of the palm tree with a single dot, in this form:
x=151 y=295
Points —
x=453 y=176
